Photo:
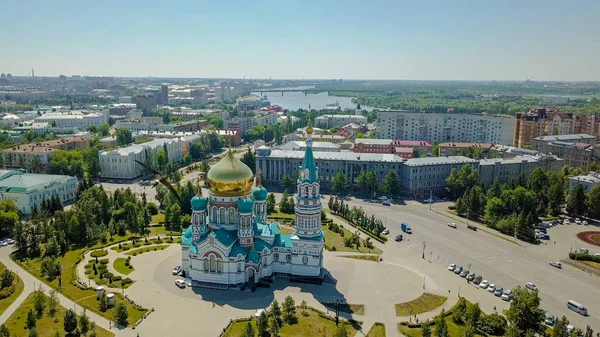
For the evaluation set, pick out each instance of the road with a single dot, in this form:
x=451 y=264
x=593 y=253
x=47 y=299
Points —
x=500 y=261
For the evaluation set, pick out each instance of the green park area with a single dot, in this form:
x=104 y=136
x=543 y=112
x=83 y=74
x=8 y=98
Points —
x=377 y=330
x=97 y=270
x=424 y=303
x=123 y=265
x=11 y=287
x=337 y=238
x=143 y=250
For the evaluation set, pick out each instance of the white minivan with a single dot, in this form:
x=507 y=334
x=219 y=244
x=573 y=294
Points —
x=577 y=307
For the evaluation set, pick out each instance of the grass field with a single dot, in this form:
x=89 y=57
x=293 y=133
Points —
x=120 y=266
x=160 y=230
x=333 y=239
x=85 y=297
x=374 y=258
x=423 y=303
x=102 y=267
x=286 y=229
x=377 y=330
x=158 y=218
x=591 y=264
x=146 y=249
x=46 y=326
x=309 y=326
x=356 y=309
x=125 y=246
x=17 y=284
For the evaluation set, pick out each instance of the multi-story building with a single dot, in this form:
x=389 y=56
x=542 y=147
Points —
x=505 y=170
x=238 y=124
x=588 y=181
x=39 y=154
x=316 y=146
x=425 y=176
x=265 y=119
x=121 y=163
x=573 y=154
x=146 y=102
x=120 y=109
x=77 y=119
x=421 y=146
x=541 y=143
x=329 y=121
x=366 y=145
x=542 y=122
x=454 y=148
x=587 y=124
x=444 y=127
x=276 y=163
x=29 y=190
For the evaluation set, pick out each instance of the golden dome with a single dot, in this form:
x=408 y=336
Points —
x=230 y=176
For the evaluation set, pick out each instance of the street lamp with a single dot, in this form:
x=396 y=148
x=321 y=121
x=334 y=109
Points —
x=424 y=246
x=337 y=310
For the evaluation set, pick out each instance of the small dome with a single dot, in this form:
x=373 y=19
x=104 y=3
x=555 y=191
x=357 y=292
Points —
x=230 y=176
x=199 y=203
x=259 y=193
x=188 y=233
x=245 y=205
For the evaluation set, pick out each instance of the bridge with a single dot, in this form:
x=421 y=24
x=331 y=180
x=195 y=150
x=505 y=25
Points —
x=318 y=91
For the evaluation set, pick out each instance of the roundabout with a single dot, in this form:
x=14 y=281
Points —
x=590 y=237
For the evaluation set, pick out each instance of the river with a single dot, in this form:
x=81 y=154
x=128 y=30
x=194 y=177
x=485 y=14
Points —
x=297 y=100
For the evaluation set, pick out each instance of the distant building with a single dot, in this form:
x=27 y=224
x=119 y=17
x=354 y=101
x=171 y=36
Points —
x=77 y=119
x=238 y=124
x=505 y=151
x=445 y=127
x=28 y=155
x=541 y=143
x=421 y=146
x=454 y=149
x=329 y=121
x=29 y=190
x=589 y=181
x=366 y=145
x=425 y=176
x=404 y=152
x=505 y=170
x=316 y=146
x=541 y=122
x=146 y=102
x=120 y=109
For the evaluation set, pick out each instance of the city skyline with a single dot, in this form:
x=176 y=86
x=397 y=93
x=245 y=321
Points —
x=385 y=40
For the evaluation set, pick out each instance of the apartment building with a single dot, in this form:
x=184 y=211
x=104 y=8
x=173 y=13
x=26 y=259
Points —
x=74 y=119
x=504 y=170
x=542 y=122
x=329 y=121
x=454 y=148
x=40 y=153
x=366 y=145
x=445 y=127
x=589 y=181
x=425 y=176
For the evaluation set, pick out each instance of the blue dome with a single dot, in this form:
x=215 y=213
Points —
x=245 y=205
x=188 y=232
x=259 y=193
x=199 y=203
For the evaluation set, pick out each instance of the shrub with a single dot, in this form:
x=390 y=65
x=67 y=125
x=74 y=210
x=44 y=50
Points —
x=49 y=268
x=154 y=248
x=99 y=253
x=104 y=261
x=130 y=267
x=452 y=207
x=88 y=271
x=493 y=324
x=136 y=245
x=134 y=253
x=152 y=208
x=6 y=292
x=126 y=263
x=117 y=278
x=333 y=248
x=129 y=258
x=126 y=280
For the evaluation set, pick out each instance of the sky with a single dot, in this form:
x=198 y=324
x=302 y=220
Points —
x=316 y=39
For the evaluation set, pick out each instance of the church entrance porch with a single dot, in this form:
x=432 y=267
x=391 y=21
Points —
x=251 y=278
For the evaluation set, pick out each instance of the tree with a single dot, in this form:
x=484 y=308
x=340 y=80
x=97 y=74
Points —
x=33 y=332
x=287 y=182
x=303 y=306
x=121 y=315
x=284 y=205
x=249 y=159
x=425 y=330
x=84 y=323
x=391 y=184
x=262 y=325
x=593 y=202
x=7 y=278
x=469 y=330
x=53 y=303
x=270 y=203
x=474 y=315
x=339 y=182
x=4 y=332
x=441 y=329
x=289 y=310
x=70 y=321
x=276 y=310
x=341 y=331
x=31 y=321
x=124 y=137
x=560 y=328
x=103 y=303
x=459 y=181
x=274 y=327
x=589 y=332
x=249 y=331
x=103 y=129
x=524 y=312
x=39 y=302
x=576 y=205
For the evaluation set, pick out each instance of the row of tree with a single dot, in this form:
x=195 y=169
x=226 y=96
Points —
x=368 y=183
x=356 y=215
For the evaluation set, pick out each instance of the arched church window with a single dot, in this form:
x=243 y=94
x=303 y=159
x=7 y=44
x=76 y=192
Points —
x=239 y=266
x=219 y=266
x=213 y=214
x=264 y=261
x=206 y=264
x=305 y=259
x=213 y=263
x=288 y=258
x=231 y=215
x=222 y=215
x=276 y=256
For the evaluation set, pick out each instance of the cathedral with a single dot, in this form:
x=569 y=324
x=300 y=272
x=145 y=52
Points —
x=230 y=243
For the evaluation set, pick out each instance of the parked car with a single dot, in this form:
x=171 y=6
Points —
x=542 y=236
x=470 y=277
x=550 y=320
x=386 y=232
x=498 y=291
x=383 y=197
x=180 y=283
x=451 y=224
x=176 y=270
x=10 y=241
x=477 y=279
x=584 y=251
x=484 y=284
x=567 y=222
x=472 y=227
x=464 y=273
x=585 y=223
x=506 y=295
x=578 y=221
x=530 y=286
x=556 y=264
x=452 y=267
x=491 y=288
x=458 y=270
x=3 y=243
x=385 y=203
x=398 y=238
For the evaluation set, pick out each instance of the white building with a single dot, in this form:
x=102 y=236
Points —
x=120 y=163
x=589 y=181
x=77 y=119
x=329 y=121
x=28 y=190
x=445 y=127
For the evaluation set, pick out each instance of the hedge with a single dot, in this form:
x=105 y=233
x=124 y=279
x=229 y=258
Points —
x=99 y=253
x=584 y=257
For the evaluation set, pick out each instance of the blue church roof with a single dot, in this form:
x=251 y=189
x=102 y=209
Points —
x=282 y=240
x=245 y=205
x=225 y=237
x=193 y=249
x=259 y=193
x=236 y=250
x=186 y=237
x=264 y=229
x=199 y=203
x=261 y=244
x=253 y=256
x=309 y=163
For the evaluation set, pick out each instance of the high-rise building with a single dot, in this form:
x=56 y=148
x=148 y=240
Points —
x=543 y=122
x=164 y=91
x=146 y=103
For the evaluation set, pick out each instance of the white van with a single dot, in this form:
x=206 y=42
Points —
x=577 y=307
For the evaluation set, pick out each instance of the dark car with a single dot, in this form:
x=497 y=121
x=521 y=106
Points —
x=472 y=227
x=477 y=279
x=398 y=238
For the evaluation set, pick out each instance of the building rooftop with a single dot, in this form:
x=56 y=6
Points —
x=298 y=145
x=404 y=150
x=466 y=145
x=373 y=141
x=340 y=116
x=349 y=156
x=17 y=181
x=592 y=177
x=439 y=161
x=581 y=136
x=136 y=148
x=76 y=114
x=399 y=142
x=514 y=160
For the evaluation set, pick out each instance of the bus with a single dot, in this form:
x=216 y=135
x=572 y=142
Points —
x=577 y=307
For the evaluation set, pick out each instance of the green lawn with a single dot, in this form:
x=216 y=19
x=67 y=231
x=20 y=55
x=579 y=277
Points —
x=160 y=230
x=591 y=264
x=333 y=239
x=121 y=267
x=46 y=326
x=125 y=246
x=114 y=281
x=85 y=297
x=158 y=218
x=278 y=214
x=146 y=250
x=374 y=258
x=423 y=303
x=286 y=229
x=356 y=309
x=18 y=286
x=309 y=326
x=377 y=330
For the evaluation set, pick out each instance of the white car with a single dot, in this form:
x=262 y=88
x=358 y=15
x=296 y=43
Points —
x=578 y=221
x=556 y=264
x=452 y=267
x=567 y=222
x=484 y=284
x=585 y=223
x=491 y=288
x=385 y=232
x=451 y=224
x=176 y=270
x=530 y=286
x=3 y=243
x=180 y=283
x=10 y=241
x=506 y=295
